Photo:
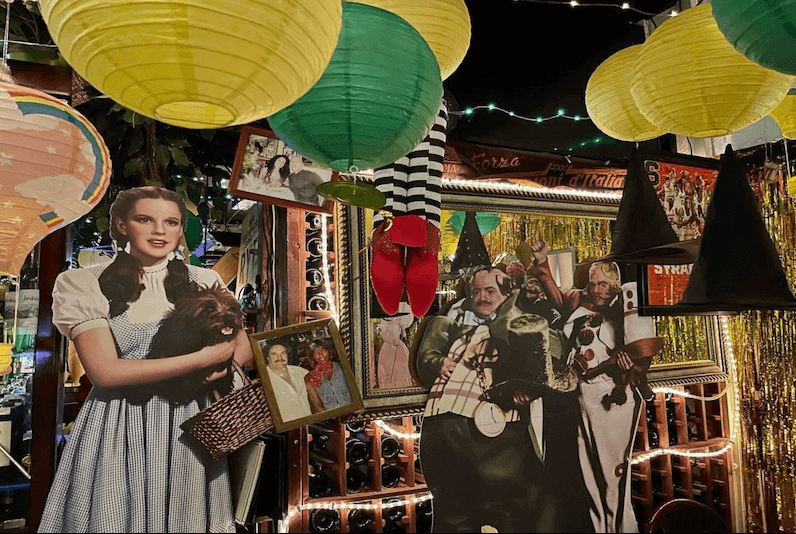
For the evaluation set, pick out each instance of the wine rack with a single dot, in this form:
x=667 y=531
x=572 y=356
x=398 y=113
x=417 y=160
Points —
x=332 y=450
x=680 y=423
x=316 y=294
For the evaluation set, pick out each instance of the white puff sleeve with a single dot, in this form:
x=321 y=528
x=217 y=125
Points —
x=78 y=303
x=208 y=277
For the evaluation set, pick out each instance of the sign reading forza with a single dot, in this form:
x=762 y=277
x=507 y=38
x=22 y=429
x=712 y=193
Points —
x=474 y=162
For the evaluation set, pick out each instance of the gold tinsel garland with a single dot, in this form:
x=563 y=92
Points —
x=763 y=344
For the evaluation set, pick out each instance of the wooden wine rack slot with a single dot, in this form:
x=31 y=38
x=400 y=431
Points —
x=682 y=424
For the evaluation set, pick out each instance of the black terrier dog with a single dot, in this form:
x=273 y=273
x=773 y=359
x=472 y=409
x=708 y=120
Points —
x=202 y=317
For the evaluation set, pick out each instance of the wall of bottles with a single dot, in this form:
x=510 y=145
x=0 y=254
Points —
x=360 y=462
x=316 y=293
x=676 y=422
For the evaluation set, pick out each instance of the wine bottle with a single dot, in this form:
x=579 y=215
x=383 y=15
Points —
x=392 y=514
x=717 y=498
x=355 y=480
x=650 y=409
x=423 y=517
x=673 y=438
x=390 y=476
x=321 y=485
x=324 y=521
x=319 y=442
x=390 y=447
x=357 y=452
x=355 y=427
x=393 y=528
x=654 y=439
x=361 y=521
x=671 y=414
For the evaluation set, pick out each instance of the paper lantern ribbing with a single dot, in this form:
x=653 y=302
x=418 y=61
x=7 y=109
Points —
x=609 y=103
x=690 y=81
x=197 y=63
x=762 y=30
x=444 y=24
x=55 y=168
x=785 y=116
x=376 y=100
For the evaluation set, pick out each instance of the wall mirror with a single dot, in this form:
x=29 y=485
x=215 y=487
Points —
x=575 y=224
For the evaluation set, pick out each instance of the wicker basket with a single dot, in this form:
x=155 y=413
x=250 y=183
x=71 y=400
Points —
x=233 y=420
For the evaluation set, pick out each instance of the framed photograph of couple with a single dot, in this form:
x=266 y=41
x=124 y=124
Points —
x=267 y=170
x=305 y=373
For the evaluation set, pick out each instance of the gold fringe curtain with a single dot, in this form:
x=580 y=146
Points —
x=763 y=344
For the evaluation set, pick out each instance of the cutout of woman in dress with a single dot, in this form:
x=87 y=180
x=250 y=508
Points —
x=393 y=358
x=128 y=467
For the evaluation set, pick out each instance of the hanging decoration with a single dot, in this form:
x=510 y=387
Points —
x=762 y=30
x=406 y=235
x=197 y=64
x=738 y=267
x=55 y=168
x=690 y=81
x=785 y=116
x=444 y=24
x=610 y=104
x=376 y=100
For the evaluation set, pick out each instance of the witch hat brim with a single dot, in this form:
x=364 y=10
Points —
x=642 y=233
x=738 y=267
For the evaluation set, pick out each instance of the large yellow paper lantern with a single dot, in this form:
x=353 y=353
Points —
x=197 y=63
x=785 y=116
x=444 y=24
x=609 y=103
x=54 y=166
x=690 y=81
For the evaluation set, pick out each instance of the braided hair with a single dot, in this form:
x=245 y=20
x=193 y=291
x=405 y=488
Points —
x=120 y=282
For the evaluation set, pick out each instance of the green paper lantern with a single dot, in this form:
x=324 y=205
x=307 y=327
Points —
x=375 y=101
x=762 y=30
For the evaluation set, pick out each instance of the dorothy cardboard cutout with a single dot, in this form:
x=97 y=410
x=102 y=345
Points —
x=128 y=467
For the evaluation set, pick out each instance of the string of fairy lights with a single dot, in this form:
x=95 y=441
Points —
x=624 y=6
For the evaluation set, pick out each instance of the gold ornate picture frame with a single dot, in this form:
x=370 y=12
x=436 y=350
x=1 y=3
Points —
x=696 y=358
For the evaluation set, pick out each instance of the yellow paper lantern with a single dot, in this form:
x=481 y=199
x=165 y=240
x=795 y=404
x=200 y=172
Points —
x=197 y=63
x=444 y=24
x=609 y=103
x=6 y=357
x=690 y=81
x=54 y=165
x=785 y=116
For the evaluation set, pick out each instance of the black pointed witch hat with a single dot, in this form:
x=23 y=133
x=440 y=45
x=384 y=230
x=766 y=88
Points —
x=738 y=267
x=642 y=233
x=471 y=250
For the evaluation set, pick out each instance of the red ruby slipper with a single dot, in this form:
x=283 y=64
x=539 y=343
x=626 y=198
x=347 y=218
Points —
x=422 y=271
x=387 y=269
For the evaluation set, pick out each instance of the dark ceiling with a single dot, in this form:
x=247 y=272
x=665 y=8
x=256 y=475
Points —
x=534 y=58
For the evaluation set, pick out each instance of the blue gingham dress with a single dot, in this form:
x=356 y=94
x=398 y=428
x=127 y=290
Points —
x=129 y=467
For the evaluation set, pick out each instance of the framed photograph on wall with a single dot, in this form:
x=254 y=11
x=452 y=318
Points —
x=267 y=170
x=684 y=186
x=306 y=374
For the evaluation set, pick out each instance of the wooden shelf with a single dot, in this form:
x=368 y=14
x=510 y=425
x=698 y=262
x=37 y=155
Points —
x=700 y=426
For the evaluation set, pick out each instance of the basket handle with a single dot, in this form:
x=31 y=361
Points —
x=238 y=369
